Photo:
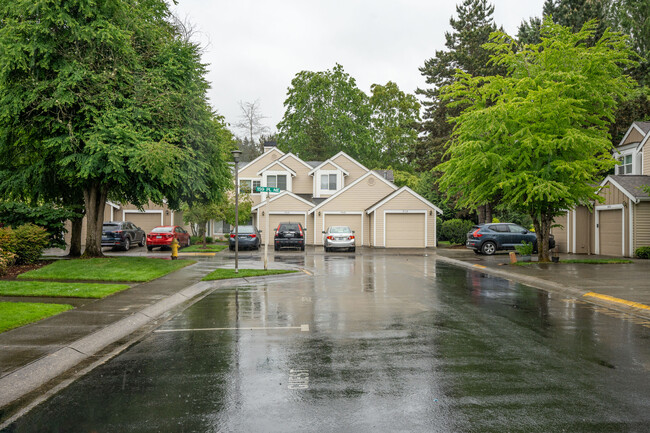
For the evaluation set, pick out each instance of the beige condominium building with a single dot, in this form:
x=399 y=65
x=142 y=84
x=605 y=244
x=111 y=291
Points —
x=338 y=191
x=619 y=224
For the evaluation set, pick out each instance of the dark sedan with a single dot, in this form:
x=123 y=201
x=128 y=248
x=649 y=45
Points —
x=489 y=238
x=249 y=238
x=122 y=234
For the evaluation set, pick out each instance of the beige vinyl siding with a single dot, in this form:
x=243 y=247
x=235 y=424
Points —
x=275 y=167
x=355 y=172
x=610 y=232
x=250 y=171
x=328 y=166
x=612 y=195
x=405 y=230
x=404 y=201
x=642 y=225
x=584 y=230
x=302 y=183
x=634 y=137
x=561 y=233
x=645 y=169
x=357 y=199
x=286 y=203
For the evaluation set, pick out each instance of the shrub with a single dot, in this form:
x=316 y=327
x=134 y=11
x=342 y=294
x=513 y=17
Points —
x=199 y=240
x=6 y=259
x=525 y=249
x=7 y=240
x=455 y=230
x=642 y=252
x=30 y=241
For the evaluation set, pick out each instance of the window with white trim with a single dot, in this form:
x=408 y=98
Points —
x=277 y=181
x=328 y=182
x=248 y=186
x=625 y=166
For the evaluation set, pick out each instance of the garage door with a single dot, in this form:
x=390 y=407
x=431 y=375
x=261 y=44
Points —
x=610 y=228
x=146 y=221
x=275 y=220
x=405 y=230
x=353 y=221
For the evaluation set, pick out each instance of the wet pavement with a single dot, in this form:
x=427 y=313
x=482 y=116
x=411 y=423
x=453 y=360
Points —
x=370 y=342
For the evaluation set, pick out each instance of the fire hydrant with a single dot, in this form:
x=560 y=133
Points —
x=175 y=246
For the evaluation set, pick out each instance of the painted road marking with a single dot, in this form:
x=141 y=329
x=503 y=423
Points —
x=307 y=272
x=617 y=300
x=480 y=266
x=298 y=379
x=303 y=328
x=197 y=254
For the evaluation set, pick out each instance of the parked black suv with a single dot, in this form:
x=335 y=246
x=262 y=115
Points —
x=122 y=234
x=489 y=238
x=289 y=235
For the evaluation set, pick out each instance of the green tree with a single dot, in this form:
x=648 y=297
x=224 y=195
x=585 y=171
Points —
x=395 y=116
x=538 y=137
x=199 y=215
x=113 y=97
x=325 y=112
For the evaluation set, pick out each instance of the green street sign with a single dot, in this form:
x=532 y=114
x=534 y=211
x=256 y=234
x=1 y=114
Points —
x=266 y=189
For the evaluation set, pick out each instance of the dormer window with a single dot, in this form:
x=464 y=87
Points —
x=328 y=182
x=277 y=181
x=626 y=165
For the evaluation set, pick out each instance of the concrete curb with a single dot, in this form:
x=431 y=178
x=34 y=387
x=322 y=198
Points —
x=623 y=305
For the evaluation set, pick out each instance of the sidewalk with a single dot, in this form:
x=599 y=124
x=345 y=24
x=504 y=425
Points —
x=43 y=356
x=624 y=287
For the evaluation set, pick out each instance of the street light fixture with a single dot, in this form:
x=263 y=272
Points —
x=236 y=154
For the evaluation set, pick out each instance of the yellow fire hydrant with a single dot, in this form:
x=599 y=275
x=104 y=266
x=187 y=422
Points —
x=175 y=246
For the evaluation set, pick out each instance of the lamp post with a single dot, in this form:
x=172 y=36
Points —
x=236 y=154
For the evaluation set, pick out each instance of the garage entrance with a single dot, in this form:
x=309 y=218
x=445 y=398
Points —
x=146 y=221
x=351 y=220
x=274 y=221
x=610 y=227
x=405 y=230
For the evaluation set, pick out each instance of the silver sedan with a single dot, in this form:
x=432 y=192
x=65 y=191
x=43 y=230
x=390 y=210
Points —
x=338 y=237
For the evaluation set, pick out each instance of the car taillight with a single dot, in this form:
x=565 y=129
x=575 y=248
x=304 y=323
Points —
x=232 y=235
x=351 y=237
x=252 y=236
x=330 y=237
x=476 y=233
x=117 y=231
x=300 y=228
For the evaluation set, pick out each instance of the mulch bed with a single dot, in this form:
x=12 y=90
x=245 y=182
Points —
x=15 y=270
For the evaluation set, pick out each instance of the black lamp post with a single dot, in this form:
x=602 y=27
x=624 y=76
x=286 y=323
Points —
x=236 y=154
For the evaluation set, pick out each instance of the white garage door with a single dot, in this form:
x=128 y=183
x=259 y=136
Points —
x=405 y=230
x=274 y=222
x=146 y=221
x=351 y=220
x=610 y=228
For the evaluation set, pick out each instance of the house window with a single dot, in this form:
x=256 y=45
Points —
x=626 y=165
x=328 y=182
x=277 y=181
x=248 y=186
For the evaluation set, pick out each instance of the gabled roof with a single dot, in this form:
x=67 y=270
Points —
x=398 y=192
x=287 y=155
x=283 y=194
x=350 y=158
x=341 y=191
x=324 y=163
x=644 y=126
x=630 y=185
x=260 y=157
x=277 y=161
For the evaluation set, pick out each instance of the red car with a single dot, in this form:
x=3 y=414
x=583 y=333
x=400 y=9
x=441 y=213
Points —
x=164 y=235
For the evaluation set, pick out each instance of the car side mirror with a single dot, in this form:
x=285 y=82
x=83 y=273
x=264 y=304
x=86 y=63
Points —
x=525 y=232
x=352 y=231
x=323 y=232
x=259 y=231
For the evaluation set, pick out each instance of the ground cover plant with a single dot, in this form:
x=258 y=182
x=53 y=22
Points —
x=55 y=289
x=137 y=269
x=15 y=314
x=222 y=274
x=211 y=248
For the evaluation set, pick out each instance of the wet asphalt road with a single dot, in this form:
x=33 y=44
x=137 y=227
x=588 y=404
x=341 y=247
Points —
x=370 y=343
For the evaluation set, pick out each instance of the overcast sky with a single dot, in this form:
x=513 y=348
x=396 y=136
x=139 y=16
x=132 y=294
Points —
x=254 y=48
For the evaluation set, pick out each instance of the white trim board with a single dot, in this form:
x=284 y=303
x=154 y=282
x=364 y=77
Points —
x=280 y=195
x=262 y=156
x=329 y=161
x=398 y=192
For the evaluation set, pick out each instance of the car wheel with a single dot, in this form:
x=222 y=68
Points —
x=276 y=248
x=127 y=244
x=143 y=241
x=488 y=248
x=476 y=252
x=353 y=249
x=149 y=248
x=189 y=242
x=231 y=248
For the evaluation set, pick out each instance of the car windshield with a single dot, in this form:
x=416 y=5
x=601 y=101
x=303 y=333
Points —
x=245 y=229
x=289 y=227
x=162 y=230
x=340 y=229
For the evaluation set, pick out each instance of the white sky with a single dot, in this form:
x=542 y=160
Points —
x=254 y=48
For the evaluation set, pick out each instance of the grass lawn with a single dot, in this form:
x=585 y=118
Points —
x=49 y=288
x=138 y=269
x=222 y=274
x=210 y=248
x=15 y=314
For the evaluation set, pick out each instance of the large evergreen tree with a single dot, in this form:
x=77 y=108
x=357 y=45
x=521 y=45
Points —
x=113 y=98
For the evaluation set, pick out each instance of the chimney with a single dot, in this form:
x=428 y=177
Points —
x=269 y=145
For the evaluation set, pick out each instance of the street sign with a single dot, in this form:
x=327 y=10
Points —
x=266 y=189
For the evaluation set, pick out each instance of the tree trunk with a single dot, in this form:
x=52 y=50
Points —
x=204 y=233
x=543 y=232
x=480 y=211
x=75 y=237
x=95 y=201
x=488 y=213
